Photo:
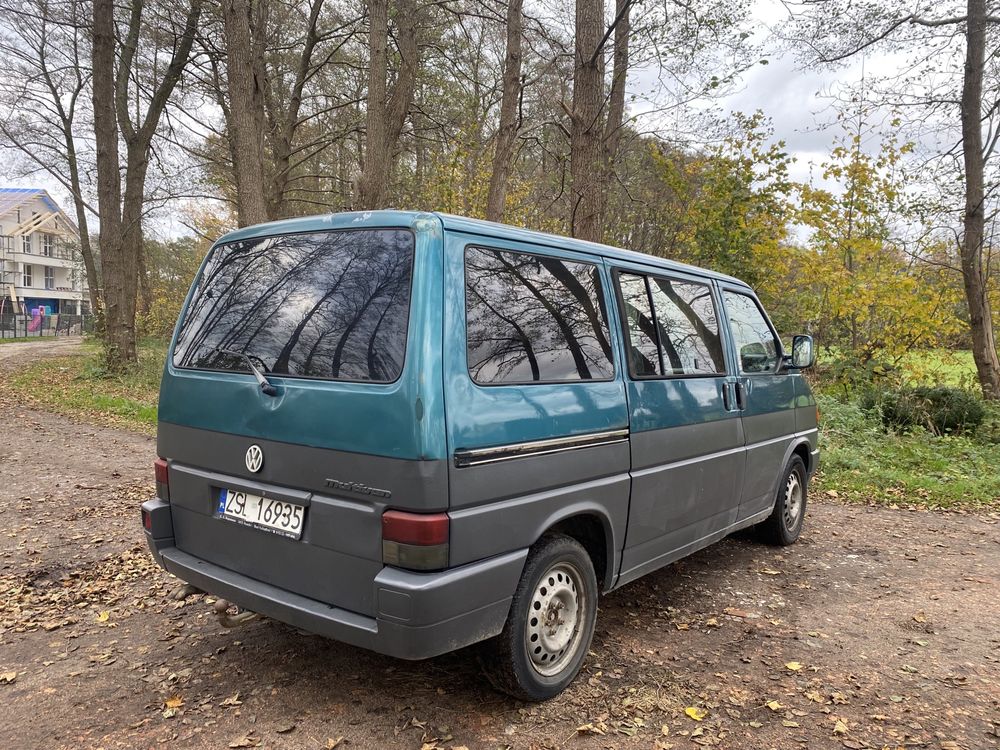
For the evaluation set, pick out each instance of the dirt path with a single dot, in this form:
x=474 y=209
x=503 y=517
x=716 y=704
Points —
x=42 y=347
x=879 y=630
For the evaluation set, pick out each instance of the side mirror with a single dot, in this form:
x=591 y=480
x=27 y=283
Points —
x=803 y=352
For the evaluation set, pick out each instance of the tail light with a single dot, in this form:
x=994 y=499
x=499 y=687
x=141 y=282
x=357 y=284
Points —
x=162 y=478
x=418 y=541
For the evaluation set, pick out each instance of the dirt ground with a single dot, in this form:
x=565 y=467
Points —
x=878 y=630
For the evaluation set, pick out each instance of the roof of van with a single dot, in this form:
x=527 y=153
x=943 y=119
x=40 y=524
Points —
x=348 y=219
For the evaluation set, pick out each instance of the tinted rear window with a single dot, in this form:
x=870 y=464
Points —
x=330 y=305
x=532 y=318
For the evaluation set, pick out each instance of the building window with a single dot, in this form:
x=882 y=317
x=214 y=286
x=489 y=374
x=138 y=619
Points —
x=26 y=243
x=50 y=277
x=27 y=275
x=47 y=245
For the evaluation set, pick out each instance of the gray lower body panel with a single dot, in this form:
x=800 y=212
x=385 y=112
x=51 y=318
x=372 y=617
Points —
x=418 y=615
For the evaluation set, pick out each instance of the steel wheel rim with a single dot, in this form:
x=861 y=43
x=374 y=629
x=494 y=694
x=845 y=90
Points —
x=793 y=500
x=554 y=628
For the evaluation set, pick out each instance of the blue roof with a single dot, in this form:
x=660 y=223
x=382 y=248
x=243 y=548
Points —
x=368 y=219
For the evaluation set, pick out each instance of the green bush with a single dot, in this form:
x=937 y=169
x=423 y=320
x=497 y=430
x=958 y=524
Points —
x=940 y=409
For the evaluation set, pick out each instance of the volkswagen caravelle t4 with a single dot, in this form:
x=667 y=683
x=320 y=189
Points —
x=413 y=432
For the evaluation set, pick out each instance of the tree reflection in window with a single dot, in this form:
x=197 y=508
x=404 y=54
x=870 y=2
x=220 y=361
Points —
x=329 y=305
x=672 y=325
x=688 y=326
x=531 y=318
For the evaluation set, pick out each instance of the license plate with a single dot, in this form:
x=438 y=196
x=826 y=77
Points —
x=273 y=515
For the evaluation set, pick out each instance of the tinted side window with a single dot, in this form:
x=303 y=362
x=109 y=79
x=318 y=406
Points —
x=755 y=342
x=643 y=354
x=679 y=336
x=688 y=326
x=530 y=318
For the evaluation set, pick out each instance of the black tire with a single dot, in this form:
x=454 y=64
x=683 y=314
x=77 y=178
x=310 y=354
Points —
x=506 y=659
x=784 y=525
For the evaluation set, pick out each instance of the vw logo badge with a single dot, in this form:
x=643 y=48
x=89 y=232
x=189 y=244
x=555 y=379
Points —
x=255 y=458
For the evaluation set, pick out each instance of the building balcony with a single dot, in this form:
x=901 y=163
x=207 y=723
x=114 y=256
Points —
x=58 y=259
x=59 y=292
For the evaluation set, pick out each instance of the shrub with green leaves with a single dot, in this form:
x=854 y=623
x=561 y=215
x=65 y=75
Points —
x=940 y=409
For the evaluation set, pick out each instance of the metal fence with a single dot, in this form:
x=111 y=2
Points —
x=31 y=326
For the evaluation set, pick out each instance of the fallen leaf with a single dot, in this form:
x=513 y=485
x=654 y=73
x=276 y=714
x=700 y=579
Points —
x=285 y=729
x=696 y=713
x=232 y=700
x=104 y=616
x=770 y=572
x=665 y=730
x=793 y=665
x=590 y=728
x=787 y=723
x=247 y=740
x=840 y=727
x=169 y=713
x=331 y=743
x=756 y=724
x=6 y=678
x=174 y=701
x=774 y=705
x=920 y=617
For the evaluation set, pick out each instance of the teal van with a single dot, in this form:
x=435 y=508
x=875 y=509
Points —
x=414 y=432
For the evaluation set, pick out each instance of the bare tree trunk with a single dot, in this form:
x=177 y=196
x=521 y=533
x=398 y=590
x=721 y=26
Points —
x=372 y=187
x=283 y=125
x=385 y=119
x=121 y=220
x=613 y=126
x=119 y=347
x=509 y=105
x=245 y=75
x=984 y=349
x=585 y=132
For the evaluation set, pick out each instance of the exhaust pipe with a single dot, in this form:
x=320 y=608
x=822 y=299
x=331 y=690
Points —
x=227 y=618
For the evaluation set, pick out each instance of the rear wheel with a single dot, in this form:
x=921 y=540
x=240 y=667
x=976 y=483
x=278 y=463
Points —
x=550 y=625
x=784 y=524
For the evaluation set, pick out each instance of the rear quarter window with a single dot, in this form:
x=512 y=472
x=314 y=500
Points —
x=331 y=305
x=532 y=319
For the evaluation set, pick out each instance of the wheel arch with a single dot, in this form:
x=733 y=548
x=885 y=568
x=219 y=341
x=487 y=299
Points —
x=590 y=525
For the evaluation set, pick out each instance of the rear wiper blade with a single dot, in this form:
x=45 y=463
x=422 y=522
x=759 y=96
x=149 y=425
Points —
x=263 y=382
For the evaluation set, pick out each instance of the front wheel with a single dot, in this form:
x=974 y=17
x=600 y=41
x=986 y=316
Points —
x=550 y=625
x=784 y=524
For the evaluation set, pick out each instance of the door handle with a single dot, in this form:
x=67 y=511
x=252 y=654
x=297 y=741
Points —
x=727 y=400
x=741 y=399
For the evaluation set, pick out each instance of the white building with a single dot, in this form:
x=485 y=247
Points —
x=40 y=263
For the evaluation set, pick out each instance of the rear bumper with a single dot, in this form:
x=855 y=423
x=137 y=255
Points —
x=419 y=615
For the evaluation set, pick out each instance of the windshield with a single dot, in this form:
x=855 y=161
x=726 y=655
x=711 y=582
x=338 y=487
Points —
x=330 y=305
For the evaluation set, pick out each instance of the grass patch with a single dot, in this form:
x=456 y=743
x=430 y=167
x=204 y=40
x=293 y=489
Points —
x=78 y=385
x=862 y=462
x=940 y=367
